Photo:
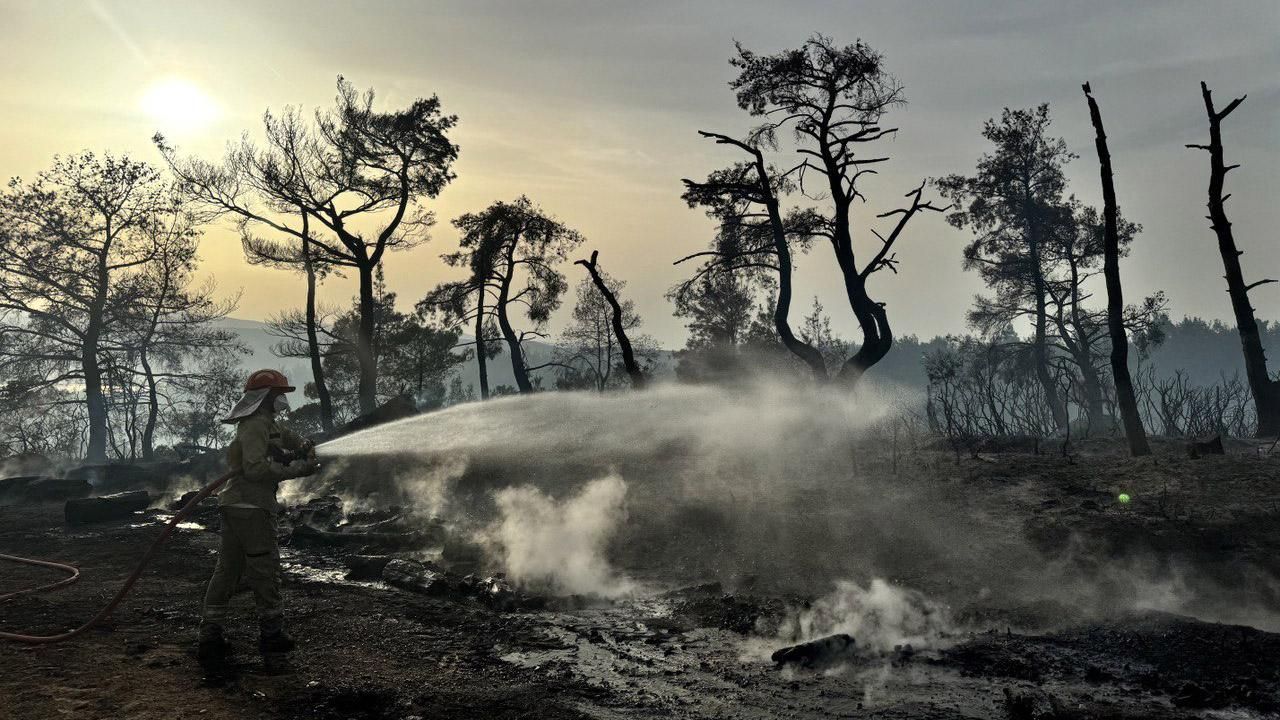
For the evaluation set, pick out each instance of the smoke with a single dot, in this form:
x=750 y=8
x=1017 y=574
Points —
x=178 y=487
x=422 y=489
x=880 y=617
x=773 y=489
x=561 y=546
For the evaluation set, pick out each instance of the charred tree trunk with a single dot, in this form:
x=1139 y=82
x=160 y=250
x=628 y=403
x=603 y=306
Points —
x=504 y=323
x=620 y=332
x=313 y=342
x=782 y=309
x=95 y=401
x=1040 y=342
x=1125 y=398
x=1265 y=390
x=1091 y=389
x=764 y=194
x=153 y=407
x=482 y=358
x=877 y=336
x=872 y=319
x=368 y=389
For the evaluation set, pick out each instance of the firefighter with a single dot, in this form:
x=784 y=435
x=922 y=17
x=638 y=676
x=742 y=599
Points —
x=264 y=453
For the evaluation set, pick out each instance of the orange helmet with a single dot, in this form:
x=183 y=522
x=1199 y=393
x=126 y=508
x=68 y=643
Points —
x=268 y=379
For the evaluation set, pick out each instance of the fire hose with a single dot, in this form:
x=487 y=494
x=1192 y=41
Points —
x=74 y=574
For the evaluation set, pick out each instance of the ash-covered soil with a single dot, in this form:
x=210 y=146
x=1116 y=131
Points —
x=1052 y=600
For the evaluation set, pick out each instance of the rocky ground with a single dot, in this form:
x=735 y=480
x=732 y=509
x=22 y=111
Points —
x=1165 y=606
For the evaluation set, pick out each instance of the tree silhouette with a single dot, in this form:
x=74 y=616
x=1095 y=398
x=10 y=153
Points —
x=353 y=170
x=833 y=99
x=1013 y=204
x=587 y=325
x=73 y=244
x=1134 y=432
x=300 y=331
x=754 y=238
x=170 y=323
x=511 y=250
x=1265 y=389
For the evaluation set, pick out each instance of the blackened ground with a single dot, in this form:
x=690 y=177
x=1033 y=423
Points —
x=363 y=652
x=1083 y=650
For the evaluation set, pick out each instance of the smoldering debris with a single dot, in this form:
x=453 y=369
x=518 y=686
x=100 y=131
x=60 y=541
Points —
x=107 y=507
x=789 y=487
x=325 y=523
x=880 y=615
x=816 y=654
x=429 y=579
x=40 y=488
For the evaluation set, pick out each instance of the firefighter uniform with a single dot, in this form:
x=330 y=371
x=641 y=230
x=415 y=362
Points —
x=261 y=456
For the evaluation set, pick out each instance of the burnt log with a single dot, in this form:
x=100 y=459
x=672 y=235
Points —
x=37 y=488
x=321 y=512
x=107 y=507
x=1211 y=446
x=426 y=578
x=310 y=535
x=121 y=477
x=206 y=513
x=365 y=567
x=820 y=653
x=423 y=578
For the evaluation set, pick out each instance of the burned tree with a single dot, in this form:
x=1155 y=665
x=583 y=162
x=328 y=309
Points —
x=358 y=174
x=503 y=245
x=619 y=318
x=300 y=332
x=1012 y=205
x=170 y=324
x=466 y=303
x=1125 y=398
x=833 y=99
x=1265 y=389
x=1079 y=333
x=72 y=244
x=753 y=237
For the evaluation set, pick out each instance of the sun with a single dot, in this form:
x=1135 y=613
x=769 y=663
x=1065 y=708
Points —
x=178 y=106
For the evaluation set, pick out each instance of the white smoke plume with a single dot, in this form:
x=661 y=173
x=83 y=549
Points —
x=879 y=616
x=423 y=489
x=561 y=545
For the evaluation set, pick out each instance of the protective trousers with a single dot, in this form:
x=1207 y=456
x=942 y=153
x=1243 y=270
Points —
x=249 y=551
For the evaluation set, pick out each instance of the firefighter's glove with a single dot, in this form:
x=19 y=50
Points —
x=302 y=467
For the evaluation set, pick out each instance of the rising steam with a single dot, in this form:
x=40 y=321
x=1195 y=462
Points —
x=561 y=546
x=773 y=488
x=880 y=616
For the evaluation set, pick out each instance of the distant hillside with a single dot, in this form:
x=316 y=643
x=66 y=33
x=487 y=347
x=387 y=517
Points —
x=255 y=335
x=1206 y=351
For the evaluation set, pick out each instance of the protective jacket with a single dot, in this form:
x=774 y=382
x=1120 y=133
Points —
x=258 y=453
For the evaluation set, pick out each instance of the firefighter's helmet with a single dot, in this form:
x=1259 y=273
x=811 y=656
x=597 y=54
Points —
x=268 y=379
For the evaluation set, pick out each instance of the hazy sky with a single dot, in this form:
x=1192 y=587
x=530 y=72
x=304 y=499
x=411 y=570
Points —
x=592 y=108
